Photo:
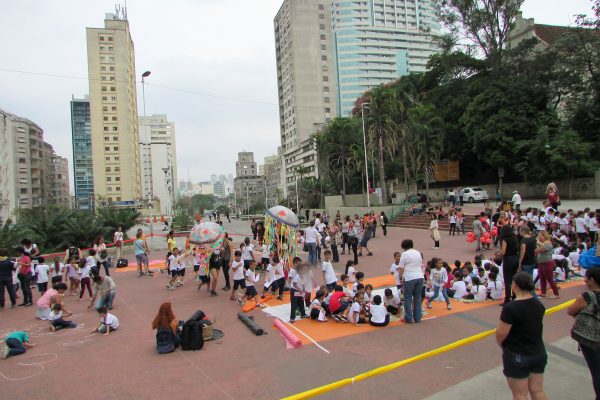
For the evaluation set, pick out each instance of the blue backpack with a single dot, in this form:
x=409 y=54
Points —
x=165 y=340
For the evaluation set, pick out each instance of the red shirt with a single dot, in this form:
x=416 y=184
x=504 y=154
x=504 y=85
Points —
x=334 y=301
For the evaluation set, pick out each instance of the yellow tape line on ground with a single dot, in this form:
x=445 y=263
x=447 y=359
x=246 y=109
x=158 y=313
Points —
x=390 y=367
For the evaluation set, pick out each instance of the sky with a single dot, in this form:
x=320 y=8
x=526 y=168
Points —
x=217 y=57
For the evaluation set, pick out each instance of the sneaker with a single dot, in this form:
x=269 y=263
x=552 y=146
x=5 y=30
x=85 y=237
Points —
x=370 y=254
x=148 y=274
x=279 y=297
x=28 y=304
x=428 y=305
x=170 y=287
x=336 y=317
x=140 y=274
x=213 y=293
x=240 y=301
x=226 y=288
x=262 y=297
x=304 y=316
x=3 y=350
x=449 y=307
x=52 y=328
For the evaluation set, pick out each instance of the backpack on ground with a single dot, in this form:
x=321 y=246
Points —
x=122 y=263
x=197 y=316
x=191 y=336
x=165 y=340
x=586 y=330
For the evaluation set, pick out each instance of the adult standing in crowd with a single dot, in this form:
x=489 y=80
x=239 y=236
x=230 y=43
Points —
x=104 y=291
x=411 y=271
x=590 y=352
x=384 y=221
x=141 y=253
x=7 y=267
x=546 y=264
x=434 y=231
x=228 y=250
x=72 y=252
x=516 y=200
x=527 y=251
x=478 y=230
x=118 y=241
x=312 y=239
x=519 y=333
x=510 y=261
x=101 y=254
x=552 y=195
x=24 y=275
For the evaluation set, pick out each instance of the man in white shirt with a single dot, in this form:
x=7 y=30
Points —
x=312 y=239
x=516 y=200
x=411 y=264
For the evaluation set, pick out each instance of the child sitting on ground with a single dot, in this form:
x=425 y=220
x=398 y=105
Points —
x=108 y=322
x=392 y=302
x=56 y=319
x=360 y=276
x=478 y=291
x=358 y=312
x=379 y=315
x=317 y=307
x=369 y=294
x=338 y=304
x=458 y=286
x=494 y=287
x=350 y=271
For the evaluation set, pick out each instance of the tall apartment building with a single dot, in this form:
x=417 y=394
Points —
x=113 y=110
x=31 y=174
x=377 y=41
x=81 y=131
x=248 y=186
x=273 y=171
x=158 y=160
x=305 y=81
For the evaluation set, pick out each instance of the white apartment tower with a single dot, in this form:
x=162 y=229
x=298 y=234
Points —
x=158 y=167
x=305 y=81
x=113 y=110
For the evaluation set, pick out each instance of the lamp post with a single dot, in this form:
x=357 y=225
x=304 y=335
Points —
x=147 y=145
x=362 y=113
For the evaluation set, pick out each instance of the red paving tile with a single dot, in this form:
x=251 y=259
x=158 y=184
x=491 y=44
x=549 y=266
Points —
x=125 y=365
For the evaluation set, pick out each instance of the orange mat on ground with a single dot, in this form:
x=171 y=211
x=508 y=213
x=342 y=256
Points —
x=324 y=331
x=133 y=266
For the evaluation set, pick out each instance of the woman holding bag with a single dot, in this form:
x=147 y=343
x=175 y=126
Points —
x=435 y=231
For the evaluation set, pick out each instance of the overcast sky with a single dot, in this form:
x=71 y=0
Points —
x=213 y=48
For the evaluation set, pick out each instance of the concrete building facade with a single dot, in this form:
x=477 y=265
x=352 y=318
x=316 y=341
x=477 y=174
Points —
x=113 y=110
x=81 y=138
x=31 y=174
x=249 y=188
x=158 y=166
x=273 y=172
x=377 y=41
x=305 y=78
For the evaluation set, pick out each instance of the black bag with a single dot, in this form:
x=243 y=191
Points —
x=74 y=252
x=165 y=340
x=197 y=316
x=122 y=263
x=305 y=248
x=191 y=337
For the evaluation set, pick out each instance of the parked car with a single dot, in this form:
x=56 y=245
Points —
x=473 y=194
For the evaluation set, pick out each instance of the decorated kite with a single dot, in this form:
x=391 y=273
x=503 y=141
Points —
x=208 y=236
x=281 y=230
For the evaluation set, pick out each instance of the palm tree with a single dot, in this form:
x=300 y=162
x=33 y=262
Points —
x=382 y=127
x=11 y=235
x=112 y=217
x=301 y=170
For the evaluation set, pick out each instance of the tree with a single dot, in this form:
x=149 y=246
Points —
x=301 y=170
x=425 y=127
x=84 y=227
x=484 y=22
x=11 y=235
x=112 y=217
x=201 y=202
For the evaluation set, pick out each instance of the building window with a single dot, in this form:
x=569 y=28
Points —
x=117 y=169
x=106 y=158
x=321 y=16
x=106 y=128
x=321 y=7
x=323 y=47
x=118 y=188
x=113 y=98
x=115 y=148
x=322 y=27
x=106 y=118
x=107 y=149
x=325 y=79
x=102 y=69
x=114 y=128
x=110 y=39
x=118 y=178
x=105 y=108
x=327 y=110
x=109 y=189
x=116 y=158
x=113 y=108
x=107 y=169
x=108 y=179
x=323 y=58
x=119 y=198
x=111 y=68
x=104 y=88
x=114 y=118
x=102 y=38
x=322 y=37
x=106 y=138
x=115 y=138
x=104 y=98
x=112 y=89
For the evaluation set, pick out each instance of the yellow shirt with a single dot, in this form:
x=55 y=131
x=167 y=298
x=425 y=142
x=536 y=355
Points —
x=171 y=244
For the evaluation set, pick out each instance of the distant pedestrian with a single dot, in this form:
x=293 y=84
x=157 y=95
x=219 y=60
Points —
x=516 y=200
x=7 y=267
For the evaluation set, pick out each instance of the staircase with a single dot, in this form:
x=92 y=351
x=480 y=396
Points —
x=404 y=220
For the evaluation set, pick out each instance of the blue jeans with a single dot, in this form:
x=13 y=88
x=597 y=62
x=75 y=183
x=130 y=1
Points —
x=436 y=293
x=16 y=347
x=106 y=300
x=312 y=253
x=412 y=300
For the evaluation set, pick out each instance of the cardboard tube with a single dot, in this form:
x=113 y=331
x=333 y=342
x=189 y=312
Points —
x=253 y=326
x=287 y=334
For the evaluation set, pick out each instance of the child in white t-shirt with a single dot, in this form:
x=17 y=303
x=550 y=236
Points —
x=357 y=314
x=265 y=255
x=42 y=270
x=329 y=277
x=239 y=281
x=395 y=270
x=316 y=309
x=350 y=271
x=108 y=322
x=478 y=290
x=251 y=278
x=495 y=287
x=392 y=301
x=56 y=318
x=458 y=286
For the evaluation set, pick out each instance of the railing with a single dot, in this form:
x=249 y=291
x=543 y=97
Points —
x=402 y=207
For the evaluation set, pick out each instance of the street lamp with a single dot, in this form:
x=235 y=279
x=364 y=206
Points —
x=147 y=145
x=362 y=113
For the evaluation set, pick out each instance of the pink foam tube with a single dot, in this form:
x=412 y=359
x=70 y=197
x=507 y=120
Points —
x=289 y=336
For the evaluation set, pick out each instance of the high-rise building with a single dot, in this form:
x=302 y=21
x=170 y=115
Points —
x=377 y=41
x=159 y=160
x=305 y=81
x=113 y=110
x=273 y=171
x=81 y=131
x=31 y=174
x=249 y=188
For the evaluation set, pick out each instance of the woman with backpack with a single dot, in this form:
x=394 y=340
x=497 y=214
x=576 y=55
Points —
x=165 y=323
x=586 y=331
